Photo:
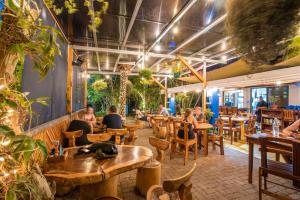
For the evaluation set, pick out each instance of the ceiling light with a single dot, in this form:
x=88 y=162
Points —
x=157 y=48
x=278 y=82
x=158 y=79
x=1 y=87
x=224 y=57
x=107 y=76
x=158 y=68
x=223 y=46
x=146 y=57
x=189 y=61
x=184 y=91
x=198 y=91
x=175 y=30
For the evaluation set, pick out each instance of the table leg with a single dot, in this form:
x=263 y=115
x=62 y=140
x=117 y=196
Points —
x=205 y=142
x=242 y=125
x=250 y=162
x=107 y=187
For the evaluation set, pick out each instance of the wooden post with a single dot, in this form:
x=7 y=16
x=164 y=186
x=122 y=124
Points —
x=164 y=88
x=201 y=79
x=166 y=92
x=70 y=80
x=204 y=84
x=85 y=89
x=124 y=71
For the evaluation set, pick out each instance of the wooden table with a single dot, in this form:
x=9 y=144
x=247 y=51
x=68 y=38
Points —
x=241 y=121
x=202 y=129
x=96 y=178
x=255 y=139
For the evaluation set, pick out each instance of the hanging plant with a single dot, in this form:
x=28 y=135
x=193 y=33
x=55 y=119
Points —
x=294 y=48
x=99 y=85
x=145 y=74
x=261 y=29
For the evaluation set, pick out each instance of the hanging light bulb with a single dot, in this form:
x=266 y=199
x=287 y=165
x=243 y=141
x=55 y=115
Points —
x=107 y=76
x=175 y=30
x=224 y=57
x=2 y=159
x=1 y=87
x=157 y=47
x=278 y=83
x=223 y=46
x=158 y=68
x=158 y=79
x=146 y=57
x=189 y=61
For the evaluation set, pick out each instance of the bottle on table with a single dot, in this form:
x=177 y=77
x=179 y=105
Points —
x=275 y=127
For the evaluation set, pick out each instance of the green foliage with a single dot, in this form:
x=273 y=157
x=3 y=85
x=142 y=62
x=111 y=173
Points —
x=294 y=48
x=99 y=85
x=17 y=85
x=145 y=74
x=208 y=114
x=262 y=29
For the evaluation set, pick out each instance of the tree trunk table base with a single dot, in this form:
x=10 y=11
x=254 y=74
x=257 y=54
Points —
x=148 y=176
x=107 y=187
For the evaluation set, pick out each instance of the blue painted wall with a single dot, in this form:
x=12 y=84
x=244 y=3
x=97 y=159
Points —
x=172 y=105
x=52 y=86
x=214 y=106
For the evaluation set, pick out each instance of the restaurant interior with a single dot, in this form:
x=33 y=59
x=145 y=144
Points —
x=149 y=99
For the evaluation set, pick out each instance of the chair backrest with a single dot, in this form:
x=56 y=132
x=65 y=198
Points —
x=288 y=115
x=287 y=147
x=185 y=128
x=117 y=133
x=181 y=184
x=251 y=129
x=219 y=123
x=95 y=138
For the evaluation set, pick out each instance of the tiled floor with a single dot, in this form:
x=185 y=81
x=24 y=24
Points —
x=216 y=177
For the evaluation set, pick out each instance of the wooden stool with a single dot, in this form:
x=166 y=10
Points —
x=148 y=176
x=161 y=146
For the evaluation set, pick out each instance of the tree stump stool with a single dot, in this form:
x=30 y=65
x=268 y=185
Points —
x=161 y=146
x=148 y=176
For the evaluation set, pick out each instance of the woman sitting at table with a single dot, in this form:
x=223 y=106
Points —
x=193 y=123
x=89 y=116
x=140 y=115
x=293 y=130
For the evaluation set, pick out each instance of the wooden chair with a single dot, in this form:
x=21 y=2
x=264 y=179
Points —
x=234 y=110
x=229 y=111
x=187 y=143
x=95 y=138
x=217 y=136
x=222 y=110
x=72 y=135
x=160 y=145
x=230 y=129
x=288 y=117
x=117 y=133
x=159 y=126
x=251 y=128
x=286 y=147
x=173 y=189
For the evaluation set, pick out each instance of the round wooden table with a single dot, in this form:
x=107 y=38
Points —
x=96 y=178
x=202 y=130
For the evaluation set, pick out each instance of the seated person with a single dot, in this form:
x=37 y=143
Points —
x=198 y=114
x=162 y=110
x=76 y=125
x=89 y=116
x=112 y=120
x=140 y=115
x=193 y=123
x=178 y=110
x=292 y=130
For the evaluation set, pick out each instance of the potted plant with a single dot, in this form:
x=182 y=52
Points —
x=99 y=85
x=208 y=114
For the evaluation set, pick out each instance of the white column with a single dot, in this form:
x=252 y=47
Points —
x=294 y=94
x=247 y=98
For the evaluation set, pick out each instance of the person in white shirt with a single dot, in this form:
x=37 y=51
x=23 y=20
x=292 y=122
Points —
x=163 y=110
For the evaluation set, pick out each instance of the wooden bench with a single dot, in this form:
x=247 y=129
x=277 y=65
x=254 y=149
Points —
x=53 y=130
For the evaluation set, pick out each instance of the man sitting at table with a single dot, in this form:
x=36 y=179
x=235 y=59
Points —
x=112 y=119
x=162 y=110
x=198 y=114
x=293 y=130
x=260 y=105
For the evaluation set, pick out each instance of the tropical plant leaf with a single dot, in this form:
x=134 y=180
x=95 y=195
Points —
x=10 y=195
x=7 y=131
x=42 y=147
